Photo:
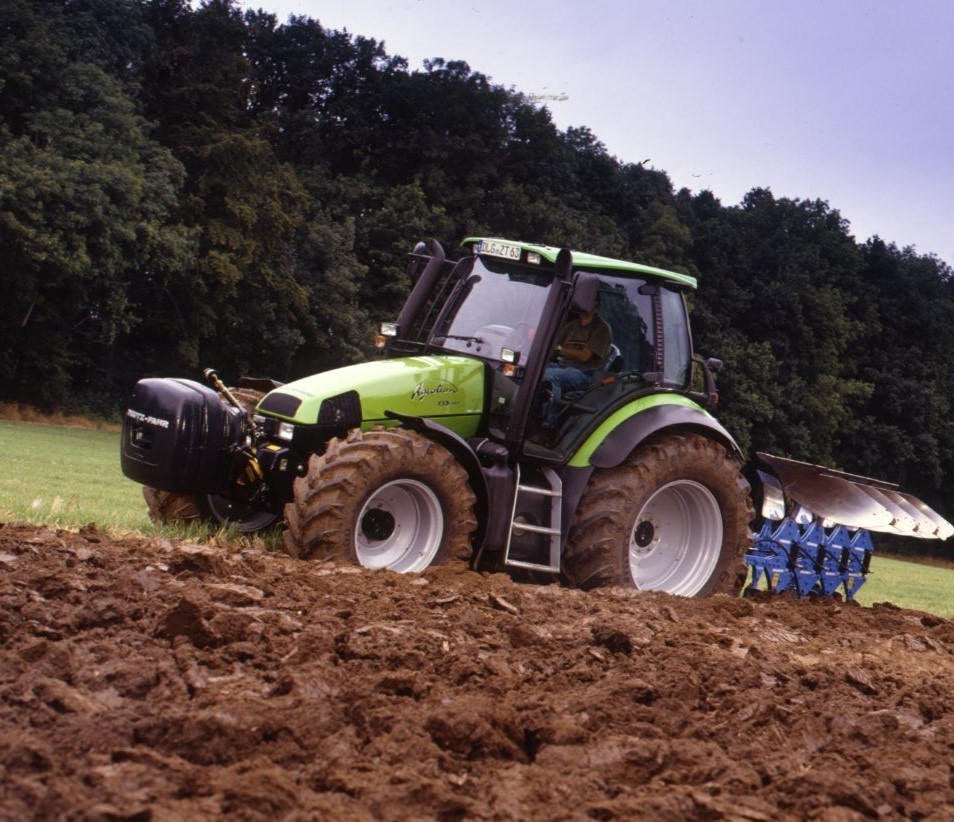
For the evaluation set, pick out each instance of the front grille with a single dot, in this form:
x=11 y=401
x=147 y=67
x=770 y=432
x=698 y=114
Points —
x=341 y=412
x=336 y=416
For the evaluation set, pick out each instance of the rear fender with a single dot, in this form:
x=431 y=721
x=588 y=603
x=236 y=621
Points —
x=623 y=430
x=614 y=440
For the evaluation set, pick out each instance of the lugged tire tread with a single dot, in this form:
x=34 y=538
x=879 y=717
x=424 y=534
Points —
x=595 y=556
x=318 y=519
x=167 y=507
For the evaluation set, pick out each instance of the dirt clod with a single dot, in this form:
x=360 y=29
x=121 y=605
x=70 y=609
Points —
x=157 y=679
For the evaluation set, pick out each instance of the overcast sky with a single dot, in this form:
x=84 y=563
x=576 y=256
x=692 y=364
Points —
x=849 y=101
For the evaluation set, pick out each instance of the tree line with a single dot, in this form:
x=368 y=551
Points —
x=182 y=187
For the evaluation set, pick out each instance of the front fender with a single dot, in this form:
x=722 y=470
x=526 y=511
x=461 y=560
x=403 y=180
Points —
x=465 y=455
x=626 y=428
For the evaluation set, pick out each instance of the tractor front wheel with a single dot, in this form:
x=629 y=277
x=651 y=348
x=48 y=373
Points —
x=673 y=517
x=387 y=498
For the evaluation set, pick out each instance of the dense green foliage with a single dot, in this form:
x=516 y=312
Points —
x=182 y=187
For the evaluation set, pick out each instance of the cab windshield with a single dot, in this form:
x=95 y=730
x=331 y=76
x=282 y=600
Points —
x=498 y=306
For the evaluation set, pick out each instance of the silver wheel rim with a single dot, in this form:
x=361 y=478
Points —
x=400 y=527
x=244 y=517
x=677 y=539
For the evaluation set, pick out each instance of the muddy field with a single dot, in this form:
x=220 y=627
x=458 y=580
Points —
x=148 y=680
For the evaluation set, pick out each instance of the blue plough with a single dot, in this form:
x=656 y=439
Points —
x=809 y=559
x=816 y=535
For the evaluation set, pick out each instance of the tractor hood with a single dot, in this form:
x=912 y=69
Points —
x=447 y=389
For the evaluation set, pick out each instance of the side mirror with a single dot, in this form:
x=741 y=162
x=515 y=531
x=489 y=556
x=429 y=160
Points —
x=586 y=288
x=710 y=395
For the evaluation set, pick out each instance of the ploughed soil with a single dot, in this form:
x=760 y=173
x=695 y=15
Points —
x=151 y=679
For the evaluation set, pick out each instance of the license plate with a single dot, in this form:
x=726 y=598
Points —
x=495 y=249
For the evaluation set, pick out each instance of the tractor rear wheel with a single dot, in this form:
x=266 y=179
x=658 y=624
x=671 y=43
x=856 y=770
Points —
x=673 y=517
x=387 y=498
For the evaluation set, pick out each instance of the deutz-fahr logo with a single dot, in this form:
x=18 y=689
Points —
x=439 y=389
x=146 y=419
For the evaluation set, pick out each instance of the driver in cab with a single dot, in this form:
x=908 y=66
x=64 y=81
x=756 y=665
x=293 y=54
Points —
x=583 y=345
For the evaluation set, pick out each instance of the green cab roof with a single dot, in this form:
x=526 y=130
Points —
x=504 y=248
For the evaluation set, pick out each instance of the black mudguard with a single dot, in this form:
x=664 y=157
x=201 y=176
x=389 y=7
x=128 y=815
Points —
x=629 y=434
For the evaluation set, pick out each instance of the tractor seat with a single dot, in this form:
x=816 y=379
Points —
x=614 y=360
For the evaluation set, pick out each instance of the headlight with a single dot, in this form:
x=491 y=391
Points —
x=286 y=431
x=387 y=331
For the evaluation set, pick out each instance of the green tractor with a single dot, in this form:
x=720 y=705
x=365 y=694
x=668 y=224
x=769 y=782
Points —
x=467 y=440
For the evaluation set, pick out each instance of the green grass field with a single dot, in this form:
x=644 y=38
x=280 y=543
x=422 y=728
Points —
x=68 y=477
x=924 y=587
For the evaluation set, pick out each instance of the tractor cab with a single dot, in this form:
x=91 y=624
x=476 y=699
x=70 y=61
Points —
x=506 y=303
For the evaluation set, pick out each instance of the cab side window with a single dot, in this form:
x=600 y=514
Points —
x=628 y=314
x=677 y=346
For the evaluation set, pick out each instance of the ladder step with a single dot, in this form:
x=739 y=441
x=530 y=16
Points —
x=543 y=552
x=534 y=529
x=533 y=566
x=543 y=492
